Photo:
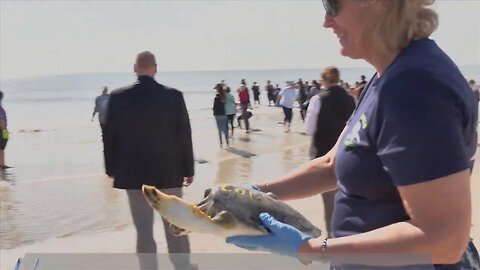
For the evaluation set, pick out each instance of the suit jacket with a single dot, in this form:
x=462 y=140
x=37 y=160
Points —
x=148 y=137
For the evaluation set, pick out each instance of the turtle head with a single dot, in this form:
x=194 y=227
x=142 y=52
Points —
x=184 y=216
x=154 y=197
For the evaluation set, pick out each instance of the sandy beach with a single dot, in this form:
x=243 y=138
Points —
x=265 y=153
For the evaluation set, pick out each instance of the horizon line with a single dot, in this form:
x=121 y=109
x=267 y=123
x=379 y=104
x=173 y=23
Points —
x=179 y=71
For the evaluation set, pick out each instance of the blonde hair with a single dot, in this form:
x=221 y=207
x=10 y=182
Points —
x=402 y=21
x=331 y=75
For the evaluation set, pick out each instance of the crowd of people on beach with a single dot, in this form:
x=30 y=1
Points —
x=293 y=94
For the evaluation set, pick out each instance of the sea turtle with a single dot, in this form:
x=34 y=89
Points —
x=225 y=211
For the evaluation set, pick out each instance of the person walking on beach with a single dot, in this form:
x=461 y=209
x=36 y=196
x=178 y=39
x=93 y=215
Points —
x=230 y=107
x=219 y=103
x=327 y=115
x=286 y=98
x=270 y=93
x=302 y=98
x=275 y=94
x=148 y=141
x=256 y=93
x=314 y=90
x=396 y=193
x=4 y=138
x=101 y=106
x=244 y=98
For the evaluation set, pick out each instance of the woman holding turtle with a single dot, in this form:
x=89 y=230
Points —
x=402 y=164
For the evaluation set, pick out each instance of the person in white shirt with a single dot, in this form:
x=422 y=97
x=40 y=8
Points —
x=287 y=97
x=312 y=115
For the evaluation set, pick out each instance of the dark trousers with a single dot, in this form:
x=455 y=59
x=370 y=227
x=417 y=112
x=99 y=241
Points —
x=244 y=107
x=288 y=114
x=327 y=197
x=303 y=110
x=103 y=127
x=230 y=118
x=271 y=98
x=142 y=215
x=328 y=203
x=256 y=98
x=222 y=126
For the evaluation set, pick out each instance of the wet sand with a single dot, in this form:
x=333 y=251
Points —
x=265 y=153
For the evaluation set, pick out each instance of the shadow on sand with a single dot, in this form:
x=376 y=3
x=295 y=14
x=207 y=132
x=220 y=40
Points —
x=201 y=161
x=8 y=175
x=240 y=152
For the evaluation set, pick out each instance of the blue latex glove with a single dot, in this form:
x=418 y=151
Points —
x=284 y=239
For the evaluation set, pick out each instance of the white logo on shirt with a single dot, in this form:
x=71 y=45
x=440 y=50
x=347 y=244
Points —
x=353 y=138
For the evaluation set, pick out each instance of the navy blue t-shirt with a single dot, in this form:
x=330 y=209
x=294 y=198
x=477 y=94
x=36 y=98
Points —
x=415 y=123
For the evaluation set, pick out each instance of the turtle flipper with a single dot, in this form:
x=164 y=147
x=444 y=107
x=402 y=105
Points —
x=202 y=203
x=203 y=206
x=207 y=192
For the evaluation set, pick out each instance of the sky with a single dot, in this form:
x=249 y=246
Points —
x=39 y=38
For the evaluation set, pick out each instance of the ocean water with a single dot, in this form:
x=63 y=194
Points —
x=54 y=101
x=57 y=187
x=59 y=98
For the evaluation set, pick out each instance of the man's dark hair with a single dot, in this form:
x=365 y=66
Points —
x=1 y=95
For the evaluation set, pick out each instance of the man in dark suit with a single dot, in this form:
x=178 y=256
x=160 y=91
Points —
x=148 y=141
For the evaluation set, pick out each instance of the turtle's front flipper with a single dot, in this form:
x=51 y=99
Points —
x=230 y=226
x=206 y=204
x=207 y=192
x=203 y=203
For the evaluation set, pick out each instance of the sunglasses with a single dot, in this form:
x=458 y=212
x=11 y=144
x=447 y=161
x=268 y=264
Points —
x=331 y=7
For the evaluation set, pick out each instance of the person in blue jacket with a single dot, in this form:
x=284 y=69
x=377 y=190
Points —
x=402 y=163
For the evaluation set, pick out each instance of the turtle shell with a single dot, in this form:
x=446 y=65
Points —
x=245 y=206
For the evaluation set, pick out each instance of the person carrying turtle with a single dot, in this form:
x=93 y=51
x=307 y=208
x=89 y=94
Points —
x=399 y=192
